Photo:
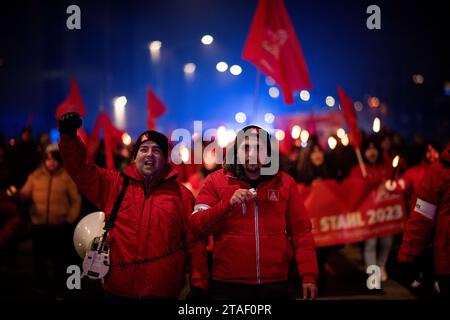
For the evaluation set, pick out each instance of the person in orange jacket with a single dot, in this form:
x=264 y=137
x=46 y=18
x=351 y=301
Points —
x=55 y=207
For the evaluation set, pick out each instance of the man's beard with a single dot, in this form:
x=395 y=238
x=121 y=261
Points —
x=252 y=168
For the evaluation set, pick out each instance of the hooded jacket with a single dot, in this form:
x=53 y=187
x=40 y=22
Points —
x=255 y=243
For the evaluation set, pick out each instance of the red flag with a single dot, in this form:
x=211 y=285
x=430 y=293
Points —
x=73 y=102
x=272 y=46
x=155 y=109
x=94 y=139
x=350 y=116
x=112 y=137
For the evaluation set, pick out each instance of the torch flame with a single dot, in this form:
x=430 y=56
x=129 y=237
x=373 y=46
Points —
x=376 y=125
x=395 y=161
x=126 y=139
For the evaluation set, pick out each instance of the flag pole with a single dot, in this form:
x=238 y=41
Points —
x=256 y=95
x=362 y=167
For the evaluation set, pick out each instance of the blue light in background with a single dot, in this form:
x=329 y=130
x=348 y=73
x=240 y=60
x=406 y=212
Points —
x=54 y=135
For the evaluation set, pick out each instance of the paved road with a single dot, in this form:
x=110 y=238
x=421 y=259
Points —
x=346 y=279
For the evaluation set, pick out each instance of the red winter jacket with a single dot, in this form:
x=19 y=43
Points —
x=431 y=213
x=152 y=220
x=255 y=244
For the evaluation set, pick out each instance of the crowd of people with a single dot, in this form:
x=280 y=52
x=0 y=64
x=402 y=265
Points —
x=237 y=233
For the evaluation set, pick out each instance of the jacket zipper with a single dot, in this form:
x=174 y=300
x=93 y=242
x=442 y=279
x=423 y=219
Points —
x=48 y=198
x=258 y=274
x=258 y=268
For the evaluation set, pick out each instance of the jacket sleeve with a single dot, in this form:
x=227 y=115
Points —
x=27 y=189
x=299 y=230
x=420 y=224
x=209 y=208
x=94 y=182
x=197 y=259
x=74 y=200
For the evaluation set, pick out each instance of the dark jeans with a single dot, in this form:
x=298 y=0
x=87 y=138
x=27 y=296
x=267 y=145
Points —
x=54 y=243
x=8 y=255
x=237 y=291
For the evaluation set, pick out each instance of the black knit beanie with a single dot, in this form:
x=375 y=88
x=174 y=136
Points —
x=154 y=136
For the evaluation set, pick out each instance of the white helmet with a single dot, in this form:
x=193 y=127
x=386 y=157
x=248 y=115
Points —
x=90 y=227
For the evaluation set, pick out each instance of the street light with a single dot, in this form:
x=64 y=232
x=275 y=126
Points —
x=119 y=104
x=235 y=70
x=274 y=92
x=222 y=66
x=304 y=95
x=269 y=118
x=330 y=101
x=207 y=39
x=155 y=48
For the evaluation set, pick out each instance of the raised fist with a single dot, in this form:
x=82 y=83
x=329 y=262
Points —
x=69 y=123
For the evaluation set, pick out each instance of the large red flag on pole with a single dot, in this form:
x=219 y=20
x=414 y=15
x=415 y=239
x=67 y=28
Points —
x=155 y=109
x=272 y=46
x=348 y=109
x=94 y=139
x=112 y=137
x=73 y=102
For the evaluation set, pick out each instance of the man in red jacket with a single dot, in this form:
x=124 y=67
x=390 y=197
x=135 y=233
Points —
x=258 y=223
x=153 y=219
x=430 y=214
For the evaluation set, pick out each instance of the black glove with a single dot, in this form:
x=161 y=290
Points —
x=69 y=123
x=197 y=293
x=407 y=272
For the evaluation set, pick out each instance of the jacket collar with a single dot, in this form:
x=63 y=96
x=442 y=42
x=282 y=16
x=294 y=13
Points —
x=168 y=174
x=46 y=172
x=231 y=177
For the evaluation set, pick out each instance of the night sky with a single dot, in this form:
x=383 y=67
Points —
x=109 y=57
